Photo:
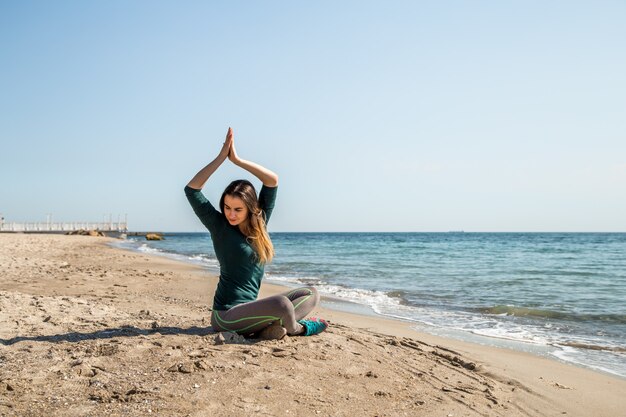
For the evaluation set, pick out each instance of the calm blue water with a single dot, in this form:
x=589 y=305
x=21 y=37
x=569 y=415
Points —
x=565 y=293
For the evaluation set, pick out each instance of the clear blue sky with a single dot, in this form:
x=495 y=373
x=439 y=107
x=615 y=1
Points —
x=378 y=116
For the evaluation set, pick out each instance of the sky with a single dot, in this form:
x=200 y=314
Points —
x=398 y=116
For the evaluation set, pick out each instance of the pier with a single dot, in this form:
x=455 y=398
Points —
x=62 y=227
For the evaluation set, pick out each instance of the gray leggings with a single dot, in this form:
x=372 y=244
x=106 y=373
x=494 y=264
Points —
x=286 y=308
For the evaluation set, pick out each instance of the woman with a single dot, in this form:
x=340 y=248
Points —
x=243 y=246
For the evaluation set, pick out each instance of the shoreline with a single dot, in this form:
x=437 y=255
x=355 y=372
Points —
x=71 y=306
x=333 y=302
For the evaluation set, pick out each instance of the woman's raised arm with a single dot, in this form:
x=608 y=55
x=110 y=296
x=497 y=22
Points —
x=267 y=177
x=197 y=182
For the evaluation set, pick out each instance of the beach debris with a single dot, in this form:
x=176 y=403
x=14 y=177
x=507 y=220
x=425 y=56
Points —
x=371 y=374
x=393 y=341
x=47 y=319
x=76 y=362
x=228 y=337
x=280 y=353
x=135 y=390
x=180 y=367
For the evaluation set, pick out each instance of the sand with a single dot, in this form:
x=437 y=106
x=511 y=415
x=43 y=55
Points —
x=88 y=329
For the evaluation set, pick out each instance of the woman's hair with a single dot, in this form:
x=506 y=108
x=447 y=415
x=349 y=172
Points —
x=254 y=229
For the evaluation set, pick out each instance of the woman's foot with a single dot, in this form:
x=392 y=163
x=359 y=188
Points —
x=273 y=332
x=313 y=326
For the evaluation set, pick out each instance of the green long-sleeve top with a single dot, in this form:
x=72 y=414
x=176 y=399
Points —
x=240 y=271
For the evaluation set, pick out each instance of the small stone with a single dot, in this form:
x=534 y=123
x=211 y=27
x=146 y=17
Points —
x=184 y=369
x=228 y=337
x=155 y=325
x=267 y=387
x=76 y=362
x=47 y=319
x=180 y=367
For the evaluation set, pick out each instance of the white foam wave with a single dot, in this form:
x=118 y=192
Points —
x=147 y=249
x=374 y=299
x=287 y=279
x=609 y=363
x=138 y=246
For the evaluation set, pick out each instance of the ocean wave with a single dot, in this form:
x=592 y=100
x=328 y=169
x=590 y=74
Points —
x=148 y=249
x=289 y=279
x=374 y=299
x=139 y=246
x=609 y=362
x=578 y=345
x=552 y=314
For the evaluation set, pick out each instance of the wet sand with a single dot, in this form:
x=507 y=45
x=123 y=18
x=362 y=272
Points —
x=87 y=329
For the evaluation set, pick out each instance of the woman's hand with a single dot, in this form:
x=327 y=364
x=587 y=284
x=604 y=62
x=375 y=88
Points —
x=197 y=182
x=225 y=151
x=232 y=154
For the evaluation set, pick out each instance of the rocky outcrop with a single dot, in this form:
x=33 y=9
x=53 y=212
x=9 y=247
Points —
x=84 y=232
x=154 y=236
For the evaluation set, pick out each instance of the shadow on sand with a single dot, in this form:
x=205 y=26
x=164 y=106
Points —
x=124 y=331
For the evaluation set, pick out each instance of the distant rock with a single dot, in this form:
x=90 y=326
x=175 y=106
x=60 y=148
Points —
x=84 y=232
x=154 y=236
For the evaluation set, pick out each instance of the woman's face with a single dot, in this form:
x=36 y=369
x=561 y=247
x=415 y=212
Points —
x=235 y=210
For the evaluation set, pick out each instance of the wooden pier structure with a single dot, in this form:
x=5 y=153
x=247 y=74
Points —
x=62 y=227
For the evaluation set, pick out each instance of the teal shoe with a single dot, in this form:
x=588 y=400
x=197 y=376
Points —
x=313 y=326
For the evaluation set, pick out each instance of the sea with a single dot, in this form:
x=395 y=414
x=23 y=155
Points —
x=561 y=295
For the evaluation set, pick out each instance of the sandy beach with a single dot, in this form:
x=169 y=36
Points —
x=88 y=329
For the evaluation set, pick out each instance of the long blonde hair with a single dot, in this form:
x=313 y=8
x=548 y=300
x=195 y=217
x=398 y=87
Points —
x=254 y=228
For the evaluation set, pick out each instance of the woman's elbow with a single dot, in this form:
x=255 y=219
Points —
x=272 y=181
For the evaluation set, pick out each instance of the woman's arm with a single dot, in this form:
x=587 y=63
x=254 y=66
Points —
x=197 y=182
x=267 y=177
